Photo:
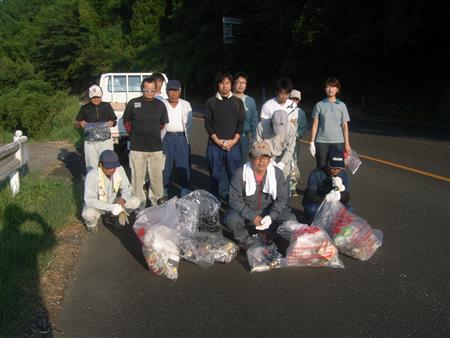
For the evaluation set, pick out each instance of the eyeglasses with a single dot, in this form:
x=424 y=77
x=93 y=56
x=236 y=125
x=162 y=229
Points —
x=151 y=91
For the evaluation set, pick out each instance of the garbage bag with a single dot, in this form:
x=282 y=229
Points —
x=160 y=249
x=97 y=131
x=352 y=161
x=308 y=246
x=262 y=256
x=205 y=248
x=165 y=214
x=199 y=211
x=352 y=235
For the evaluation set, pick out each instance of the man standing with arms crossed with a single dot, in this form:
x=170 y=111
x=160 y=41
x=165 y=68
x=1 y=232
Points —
x=176 y=137
x=224 y=119
x=144 y=117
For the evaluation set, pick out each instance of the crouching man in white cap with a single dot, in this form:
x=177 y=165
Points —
x=258 y=197
x=100 y=192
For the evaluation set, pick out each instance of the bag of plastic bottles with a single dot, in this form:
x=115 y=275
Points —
x=97 y=131
x=308 y=246
x=205 y=248
x=351 y=234
x=352 y=161
x=199 y=211
x=262 y=256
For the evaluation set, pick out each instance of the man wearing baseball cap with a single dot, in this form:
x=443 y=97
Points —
x=177 y=133
x=329 y=182
x=96 y=118
x=258 y=197
x=100 y=192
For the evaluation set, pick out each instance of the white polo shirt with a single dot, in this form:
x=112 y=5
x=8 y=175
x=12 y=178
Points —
x=272 y=105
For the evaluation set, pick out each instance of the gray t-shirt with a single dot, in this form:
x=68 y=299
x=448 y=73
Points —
x=332 y=116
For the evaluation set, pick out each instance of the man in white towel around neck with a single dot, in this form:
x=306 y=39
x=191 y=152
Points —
x=258 y=197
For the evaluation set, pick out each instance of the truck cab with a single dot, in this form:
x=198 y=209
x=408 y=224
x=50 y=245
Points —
x=118 y=89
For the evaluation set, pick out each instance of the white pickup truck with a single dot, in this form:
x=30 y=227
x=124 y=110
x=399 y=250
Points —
x=118 y=89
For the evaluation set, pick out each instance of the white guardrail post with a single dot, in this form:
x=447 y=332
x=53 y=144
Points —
x=13 y=157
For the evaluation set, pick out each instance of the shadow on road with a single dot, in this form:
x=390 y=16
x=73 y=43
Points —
x=19 y=265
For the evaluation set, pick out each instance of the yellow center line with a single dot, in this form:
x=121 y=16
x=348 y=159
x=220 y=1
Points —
x=401 y=166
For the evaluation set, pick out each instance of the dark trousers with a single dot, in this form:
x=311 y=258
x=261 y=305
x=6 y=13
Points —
x=176 y=150
x=242 y=228
x=217 y=160
x=322 y=151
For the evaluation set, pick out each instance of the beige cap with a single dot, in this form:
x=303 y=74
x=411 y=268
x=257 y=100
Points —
x=260 y=149
x=295 y=94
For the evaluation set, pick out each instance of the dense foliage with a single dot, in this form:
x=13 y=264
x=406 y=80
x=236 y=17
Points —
x=383 y=52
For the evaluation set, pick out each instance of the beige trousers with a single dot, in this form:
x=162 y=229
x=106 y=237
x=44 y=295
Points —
x=141 y=163
x=91 y=215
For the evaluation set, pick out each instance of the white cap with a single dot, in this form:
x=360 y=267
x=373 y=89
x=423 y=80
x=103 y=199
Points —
x=94 y=91
x=295 y=94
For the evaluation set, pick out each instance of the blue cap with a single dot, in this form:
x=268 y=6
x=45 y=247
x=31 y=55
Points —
x=335 y=159
x=109 y=159
x=173 y=84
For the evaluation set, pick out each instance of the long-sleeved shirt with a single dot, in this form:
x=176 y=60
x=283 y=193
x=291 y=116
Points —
x=301 y=123
x=320 y=184
x=282 y=148
x=259 y=203
x=251 y=115
x=92 y=191
x=224 y=116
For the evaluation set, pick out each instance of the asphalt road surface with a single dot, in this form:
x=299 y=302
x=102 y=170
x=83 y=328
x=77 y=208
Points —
x=403 y=290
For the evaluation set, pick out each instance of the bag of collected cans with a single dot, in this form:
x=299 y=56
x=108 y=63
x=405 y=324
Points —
x=97 y=131
x=351 y=234
x=352 y=161
x=308 y=246
x=172 y=230
x=205 y=248
x=262 y=256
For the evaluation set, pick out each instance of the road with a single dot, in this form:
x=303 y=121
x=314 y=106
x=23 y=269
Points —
x=403 y=290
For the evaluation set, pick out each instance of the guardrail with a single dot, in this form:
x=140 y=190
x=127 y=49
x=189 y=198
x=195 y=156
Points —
x=13 y=160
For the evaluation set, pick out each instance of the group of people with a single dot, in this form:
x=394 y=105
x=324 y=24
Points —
x=250 y=159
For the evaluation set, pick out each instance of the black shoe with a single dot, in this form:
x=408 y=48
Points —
x=111 y=220
x=162 y=200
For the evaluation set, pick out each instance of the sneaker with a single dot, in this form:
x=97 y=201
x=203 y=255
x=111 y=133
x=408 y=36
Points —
x=93 y=229
x=162 y=200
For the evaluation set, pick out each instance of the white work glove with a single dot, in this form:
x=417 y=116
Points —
x=265 y=223
x=337 y=183
x=117 y=209
x=280 y=165
x=312 y=149
x=333 y=195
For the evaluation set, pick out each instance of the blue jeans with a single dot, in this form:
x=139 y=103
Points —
x=218 y=159
x=176 y=149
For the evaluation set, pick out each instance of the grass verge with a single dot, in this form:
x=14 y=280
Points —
x=28 y=223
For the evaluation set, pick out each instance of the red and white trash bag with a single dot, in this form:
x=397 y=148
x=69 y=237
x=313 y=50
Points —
x=308 y=246
x=352 y=235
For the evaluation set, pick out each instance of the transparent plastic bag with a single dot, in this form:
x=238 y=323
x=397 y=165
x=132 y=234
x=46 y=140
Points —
x=262 y=256
x=351 y=234
x=199 y=211
x=160 y=249
x=165 y=214
x=205 y=248
x=308 y=246
x=352 y=162
x=97 y=131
